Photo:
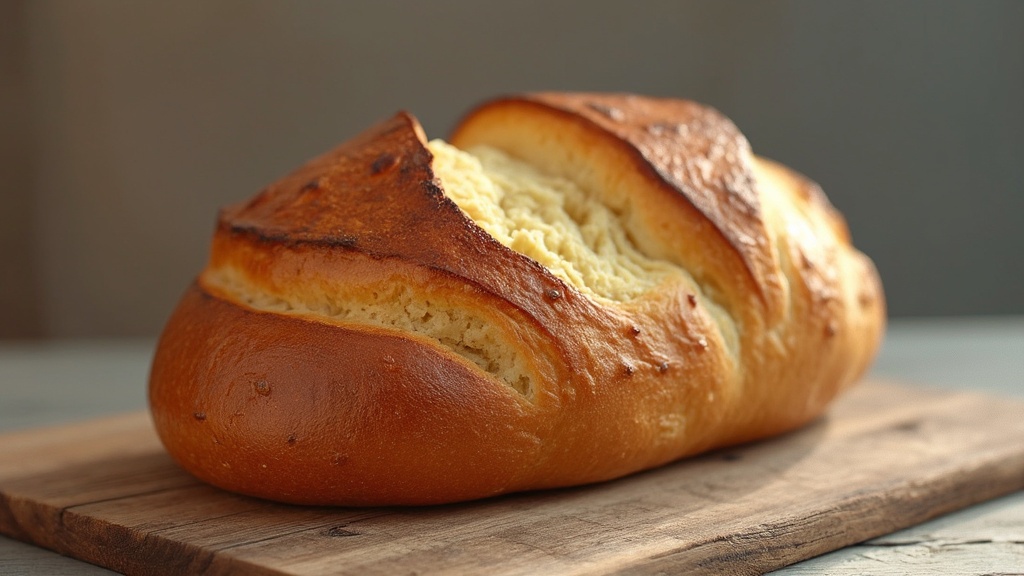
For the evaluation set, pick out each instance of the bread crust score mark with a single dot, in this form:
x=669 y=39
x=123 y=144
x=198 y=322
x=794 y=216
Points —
x=358 y=339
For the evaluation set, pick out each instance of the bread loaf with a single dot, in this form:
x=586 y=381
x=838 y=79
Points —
x=575 y=288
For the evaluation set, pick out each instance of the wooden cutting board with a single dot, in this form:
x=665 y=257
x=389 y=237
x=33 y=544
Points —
x=885 y=457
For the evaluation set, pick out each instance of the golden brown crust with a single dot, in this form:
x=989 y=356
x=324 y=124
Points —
x=306 y=407
x=284 y=408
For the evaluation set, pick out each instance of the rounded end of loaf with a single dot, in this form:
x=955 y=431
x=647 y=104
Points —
x=308 y=413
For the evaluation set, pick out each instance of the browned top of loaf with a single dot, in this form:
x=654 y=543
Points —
x=692 y=151
x=376 y=195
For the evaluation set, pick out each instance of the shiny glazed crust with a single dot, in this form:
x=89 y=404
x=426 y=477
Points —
x=774 y=314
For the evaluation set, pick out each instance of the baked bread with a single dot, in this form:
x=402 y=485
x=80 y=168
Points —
x=578 y=287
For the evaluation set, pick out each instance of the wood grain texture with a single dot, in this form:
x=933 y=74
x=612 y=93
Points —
x=886 y=457
x=986 y=539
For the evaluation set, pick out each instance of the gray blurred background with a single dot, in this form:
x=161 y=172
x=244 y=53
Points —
x=124 y=125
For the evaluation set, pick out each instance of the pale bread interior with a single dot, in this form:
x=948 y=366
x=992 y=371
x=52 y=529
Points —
x=549 y=219
x=393 y=305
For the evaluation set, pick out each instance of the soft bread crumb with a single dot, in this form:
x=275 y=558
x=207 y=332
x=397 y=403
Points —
x=549 y=219
x=397 y=306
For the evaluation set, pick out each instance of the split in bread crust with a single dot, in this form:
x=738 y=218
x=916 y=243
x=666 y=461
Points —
x=587 y=286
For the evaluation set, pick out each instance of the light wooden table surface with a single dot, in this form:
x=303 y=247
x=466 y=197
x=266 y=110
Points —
x=48 y=383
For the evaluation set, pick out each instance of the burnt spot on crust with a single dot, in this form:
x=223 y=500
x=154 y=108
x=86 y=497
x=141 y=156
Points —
x=383 y=163
x=434 y=190
x=339 y=240
x=292 y=439
x=663 y=367
x=553 y=293
x=199 y=416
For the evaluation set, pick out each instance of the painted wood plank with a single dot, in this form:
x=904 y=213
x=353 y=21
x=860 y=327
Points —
x=885 y=458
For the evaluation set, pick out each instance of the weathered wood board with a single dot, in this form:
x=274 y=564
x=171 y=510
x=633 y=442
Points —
x=885 y=457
